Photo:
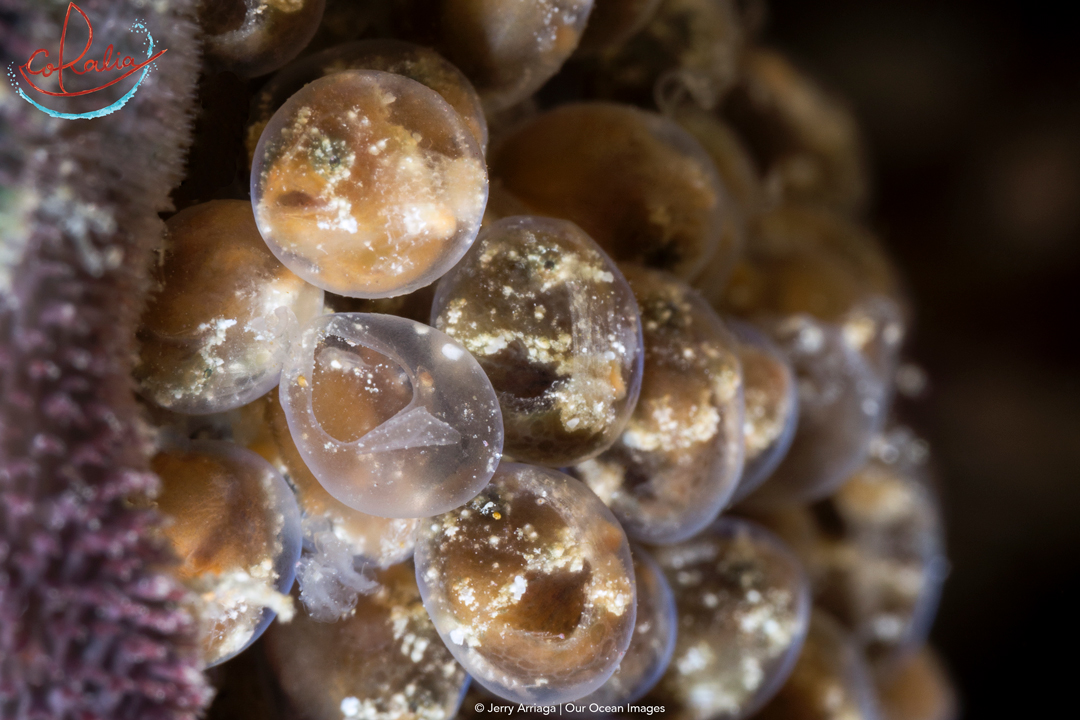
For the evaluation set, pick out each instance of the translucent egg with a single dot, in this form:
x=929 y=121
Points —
x=842 y=404
x=394 y=418
x=742 y=182
x=384 y=660
x=423 y=65
x=368 y=184
x=743 y=603
x=920 y=689
x=734 y=161
x=803 y=259
x=261 y=426
x=555 y=326
x=508 y=48
x=613 y=22
x=689 y=48
x=830 y=681
x=341 y=544
x=255 y=37
x=530 y=585
x=771 y=396
x=874 y=550
x=217 y=329
x=680 y=456
x=636 y=182
x=807 y=140
x=379 y=540
x=235 y=526
x=653 y=642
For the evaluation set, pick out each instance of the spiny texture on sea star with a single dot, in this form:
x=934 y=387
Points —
x=89 y=620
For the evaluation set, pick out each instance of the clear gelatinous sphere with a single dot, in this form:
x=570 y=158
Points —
x=690 y=48
x=383 y=541
x=842 y=404
x=807 y=141
x=653 y=642
x=368 y=184
x=530 y=585
x=919 y=689
x=823 y=289
x=255 y=37
x=679 y=459
x=340 y=543
x=217 y=329
x=235 y=526
x=830 y=681
x=743 y=603
x=742 y=182
x=771 y=395
x=729 y=152
x=508 y=48
x=393 y=417
x=804 y=259
x=555 y=326
x=383 y=661
x=261 y=426
x=875 y=549
x=421 y=64
x=635 y=181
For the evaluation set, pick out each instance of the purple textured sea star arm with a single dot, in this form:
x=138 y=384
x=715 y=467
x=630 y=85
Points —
x=90 y=619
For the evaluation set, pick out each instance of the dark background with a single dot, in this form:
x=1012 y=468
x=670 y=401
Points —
x=971 y=112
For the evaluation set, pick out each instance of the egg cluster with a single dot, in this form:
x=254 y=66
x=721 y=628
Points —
x=543 y=343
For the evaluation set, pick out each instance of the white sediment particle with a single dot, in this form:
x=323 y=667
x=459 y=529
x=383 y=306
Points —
x=696 y=658
x=667 y=430
x=859 y=331
x=764 y=620
x=517 y=589
x=612 y=596
x=342 y=219
x=688 y=577
x=888 y=627
x=350 y=707
x=466 y=595
x=603 y=478
x=752 y=673
x=811 y=340
x=413 y=647
x=399 y=622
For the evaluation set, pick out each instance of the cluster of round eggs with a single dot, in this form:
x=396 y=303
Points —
x=483 y=400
